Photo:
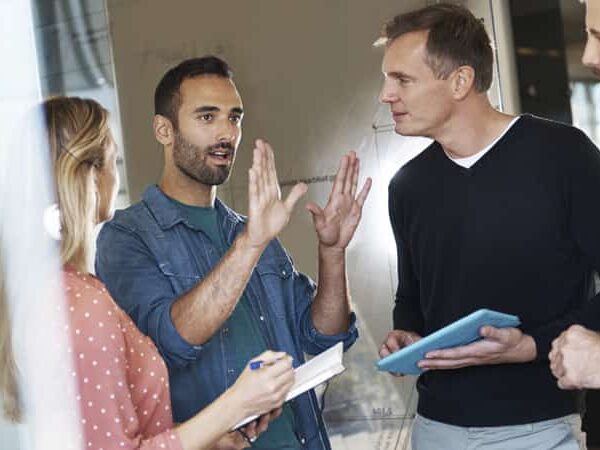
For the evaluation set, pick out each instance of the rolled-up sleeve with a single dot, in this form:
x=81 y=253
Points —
x=311 y=340
x=134 y=279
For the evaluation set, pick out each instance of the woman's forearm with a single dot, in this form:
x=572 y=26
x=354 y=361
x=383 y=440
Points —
x=212 y=423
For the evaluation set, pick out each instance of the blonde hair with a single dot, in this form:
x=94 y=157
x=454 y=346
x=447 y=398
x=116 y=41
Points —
x=78 y=136
x=8 y=380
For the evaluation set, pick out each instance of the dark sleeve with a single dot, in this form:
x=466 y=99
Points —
x=134 y=279
x=582 y=195
x=407 y=309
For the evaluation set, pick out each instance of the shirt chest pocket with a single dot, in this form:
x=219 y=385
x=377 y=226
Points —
x=276 y=279
x=181 y=281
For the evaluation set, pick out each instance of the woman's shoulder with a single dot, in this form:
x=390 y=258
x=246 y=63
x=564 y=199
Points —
x=87 y=298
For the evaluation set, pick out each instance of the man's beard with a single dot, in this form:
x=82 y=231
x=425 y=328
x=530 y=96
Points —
x=189 y=159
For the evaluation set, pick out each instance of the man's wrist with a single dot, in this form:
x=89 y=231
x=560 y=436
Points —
x=331 y=252
x=247 y=244
x=526 y=349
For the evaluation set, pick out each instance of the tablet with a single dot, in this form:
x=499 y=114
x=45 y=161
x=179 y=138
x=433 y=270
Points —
x=462 y=332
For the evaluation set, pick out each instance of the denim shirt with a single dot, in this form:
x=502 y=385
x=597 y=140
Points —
x=149 y=255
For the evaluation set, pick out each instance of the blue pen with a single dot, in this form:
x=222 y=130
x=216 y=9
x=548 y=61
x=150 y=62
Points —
x=255 y=365
x=259 y=363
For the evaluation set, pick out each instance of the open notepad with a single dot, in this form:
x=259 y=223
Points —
x=312 y=373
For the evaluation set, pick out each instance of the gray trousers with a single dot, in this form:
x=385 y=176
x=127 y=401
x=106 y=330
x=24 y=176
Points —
x=557 y=434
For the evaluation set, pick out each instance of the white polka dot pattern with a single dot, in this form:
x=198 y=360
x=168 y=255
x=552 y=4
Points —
x=123 y=383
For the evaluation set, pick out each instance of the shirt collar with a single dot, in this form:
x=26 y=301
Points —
x=167 y=214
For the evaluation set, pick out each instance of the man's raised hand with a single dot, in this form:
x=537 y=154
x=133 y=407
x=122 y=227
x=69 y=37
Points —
x=268 y=214
x=336 y=223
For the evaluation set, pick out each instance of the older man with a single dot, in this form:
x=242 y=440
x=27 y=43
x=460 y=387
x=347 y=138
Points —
x=493 y=214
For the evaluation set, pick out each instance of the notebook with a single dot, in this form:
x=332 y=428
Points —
x=462 y=332
x=319 y=369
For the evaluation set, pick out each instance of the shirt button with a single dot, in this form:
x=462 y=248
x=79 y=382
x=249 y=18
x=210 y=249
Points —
x=225 y=330
x=303 y=440
x=230 y=371
x=262 y=318
x=284 y=273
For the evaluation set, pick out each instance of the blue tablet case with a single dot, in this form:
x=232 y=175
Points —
x=462 y=332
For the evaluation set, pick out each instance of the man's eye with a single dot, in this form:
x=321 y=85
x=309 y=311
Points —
x=235 y=119
x=206 y=117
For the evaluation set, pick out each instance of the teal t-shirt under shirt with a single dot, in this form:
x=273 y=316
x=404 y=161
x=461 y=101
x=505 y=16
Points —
x=242 y=331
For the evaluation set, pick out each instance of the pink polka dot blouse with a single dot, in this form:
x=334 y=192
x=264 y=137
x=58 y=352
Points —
x=123 y=382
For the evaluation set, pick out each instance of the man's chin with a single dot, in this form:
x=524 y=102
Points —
x=407 y=131
x=403 y=130
x=223 y=178
x=217 y=180
x=214 y=177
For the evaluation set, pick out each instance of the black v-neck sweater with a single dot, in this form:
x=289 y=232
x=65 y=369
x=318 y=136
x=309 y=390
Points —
x=518 y=232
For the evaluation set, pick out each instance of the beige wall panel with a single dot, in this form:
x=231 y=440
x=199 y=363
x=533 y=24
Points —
x=309 y=79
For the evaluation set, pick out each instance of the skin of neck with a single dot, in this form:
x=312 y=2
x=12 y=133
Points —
x=472 y=126
x=177 y=185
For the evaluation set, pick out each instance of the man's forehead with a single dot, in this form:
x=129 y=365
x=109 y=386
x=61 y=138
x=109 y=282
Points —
x=404 y=51
x=209 y=90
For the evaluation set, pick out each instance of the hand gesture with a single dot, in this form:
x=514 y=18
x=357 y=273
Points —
x=397 y=340
x=337 y=222
x=498 y=346
x=267 y=213
x=575 y=359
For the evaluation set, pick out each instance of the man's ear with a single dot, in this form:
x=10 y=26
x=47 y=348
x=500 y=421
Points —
x=462 y=82
x=163 y=130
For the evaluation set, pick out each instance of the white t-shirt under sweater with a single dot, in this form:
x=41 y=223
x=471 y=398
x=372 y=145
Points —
x=468 y=162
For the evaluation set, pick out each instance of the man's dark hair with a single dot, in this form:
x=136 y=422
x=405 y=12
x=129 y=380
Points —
x=167 y=98
x=455 y=38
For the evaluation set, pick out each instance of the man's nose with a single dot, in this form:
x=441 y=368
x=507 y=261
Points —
x=227 y=132
x=388 y=94
x=591 y=55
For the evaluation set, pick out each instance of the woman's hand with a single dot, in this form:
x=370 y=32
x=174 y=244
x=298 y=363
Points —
x=264 y=389
x=259 y=392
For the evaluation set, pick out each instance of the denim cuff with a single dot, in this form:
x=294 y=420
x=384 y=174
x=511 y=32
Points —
x=324 y=341
x=176 y=351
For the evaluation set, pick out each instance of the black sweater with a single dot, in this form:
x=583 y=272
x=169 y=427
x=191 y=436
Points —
x=518 y=232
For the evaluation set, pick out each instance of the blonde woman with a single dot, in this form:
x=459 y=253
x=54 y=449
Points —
x=122 y=380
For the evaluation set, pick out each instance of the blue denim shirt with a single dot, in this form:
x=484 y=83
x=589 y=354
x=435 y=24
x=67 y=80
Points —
x=149 y=255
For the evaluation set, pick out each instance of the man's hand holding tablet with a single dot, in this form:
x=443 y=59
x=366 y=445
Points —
x=483 y=337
